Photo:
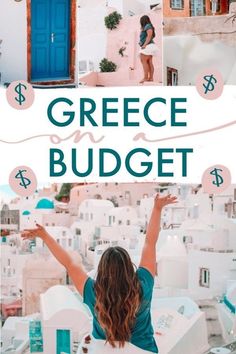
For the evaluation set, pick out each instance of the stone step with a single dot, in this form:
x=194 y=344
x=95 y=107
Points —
x=213 y=328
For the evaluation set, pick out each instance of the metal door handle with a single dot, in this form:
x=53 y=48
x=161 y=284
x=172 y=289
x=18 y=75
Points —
x=52 y=37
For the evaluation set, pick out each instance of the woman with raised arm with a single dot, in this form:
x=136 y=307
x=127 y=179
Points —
x=120 y=296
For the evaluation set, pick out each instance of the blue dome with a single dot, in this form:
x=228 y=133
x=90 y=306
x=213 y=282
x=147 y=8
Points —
x=26 y=212
x=45 y=204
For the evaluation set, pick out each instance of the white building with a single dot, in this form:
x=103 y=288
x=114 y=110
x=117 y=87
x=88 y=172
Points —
x=133 y=7
x=64 y=319
x=227 y=313
x=180 y=325
x=209 y=272
x=93 y=35
x=172 y=264
x=193 y=56
x=95 y=211
x=12 y=265
x=63 y=236
x=121 y=194
x=122 y=216
x=15 y=334
x=39 y=275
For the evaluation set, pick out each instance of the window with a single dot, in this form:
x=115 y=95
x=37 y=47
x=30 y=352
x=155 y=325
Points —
x=172 y=77
x=120 y=222
x=187 y=239
x=91 y=216
x=78 y=232
x=138 y=202
x=81 y=216
x=67 y=279
x=198 y=8
x=128 y=222
x=63 y=233
x=69 y=242
x=110 y=220
x=215 y=6
x=177 y=4
x=8 y=262
x=204 y=280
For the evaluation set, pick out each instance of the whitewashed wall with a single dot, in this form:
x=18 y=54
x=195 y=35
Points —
x=189 y=55
x=92 y=32
x=13 y=33
x=222 y=268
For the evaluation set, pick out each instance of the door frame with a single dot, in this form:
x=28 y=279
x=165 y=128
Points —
x=71 y=79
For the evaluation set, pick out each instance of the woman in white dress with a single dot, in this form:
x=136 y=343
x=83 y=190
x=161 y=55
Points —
x=148 y=48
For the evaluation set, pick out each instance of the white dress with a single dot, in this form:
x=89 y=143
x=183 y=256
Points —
x=150 y=49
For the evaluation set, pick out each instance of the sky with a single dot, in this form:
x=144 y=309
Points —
x=6 y=193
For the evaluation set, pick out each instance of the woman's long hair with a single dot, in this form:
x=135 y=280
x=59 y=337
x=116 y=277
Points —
x=145 y=20
x=118 y=295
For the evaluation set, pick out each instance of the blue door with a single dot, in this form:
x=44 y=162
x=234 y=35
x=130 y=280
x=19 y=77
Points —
x=50 y=40
x=63 y=341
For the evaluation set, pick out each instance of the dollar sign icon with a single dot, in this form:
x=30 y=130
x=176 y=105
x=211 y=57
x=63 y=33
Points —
x=211 y=81
x=218 y=178
x=18 y=89
x=25 y=182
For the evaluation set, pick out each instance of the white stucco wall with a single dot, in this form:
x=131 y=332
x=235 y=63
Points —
x=135 y=6
x=222 y=267
x=13 y=33
x=191 y=56
x=127 y=6
x=92 y=32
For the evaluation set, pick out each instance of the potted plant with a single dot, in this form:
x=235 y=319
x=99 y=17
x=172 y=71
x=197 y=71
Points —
x=107 y=66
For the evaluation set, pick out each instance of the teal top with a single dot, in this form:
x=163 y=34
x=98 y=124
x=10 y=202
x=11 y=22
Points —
x=142 y=332
x=143 y=35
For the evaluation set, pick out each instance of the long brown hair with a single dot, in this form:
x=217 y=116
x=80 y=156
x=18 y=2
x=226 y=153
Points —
x=145 y=20
x=118 y=295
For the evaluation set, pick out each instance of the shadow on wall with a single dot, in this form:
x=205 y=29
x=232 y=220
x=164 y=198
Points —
x=123 y=50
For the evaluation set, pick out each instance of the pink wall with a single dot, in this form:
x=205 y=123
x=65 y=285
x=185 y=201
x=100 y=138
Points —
x=128 y=32
x=129 y=71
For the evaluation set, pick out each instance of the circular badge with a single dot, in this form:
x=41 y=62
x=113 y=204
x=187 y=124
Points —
x=20 y=95
x=210 y=84
x=216 y=179
x=23 y=181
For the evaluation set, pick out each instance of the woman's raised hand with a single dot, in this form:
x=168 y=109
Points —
x=39 y=231
x=161 y=202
